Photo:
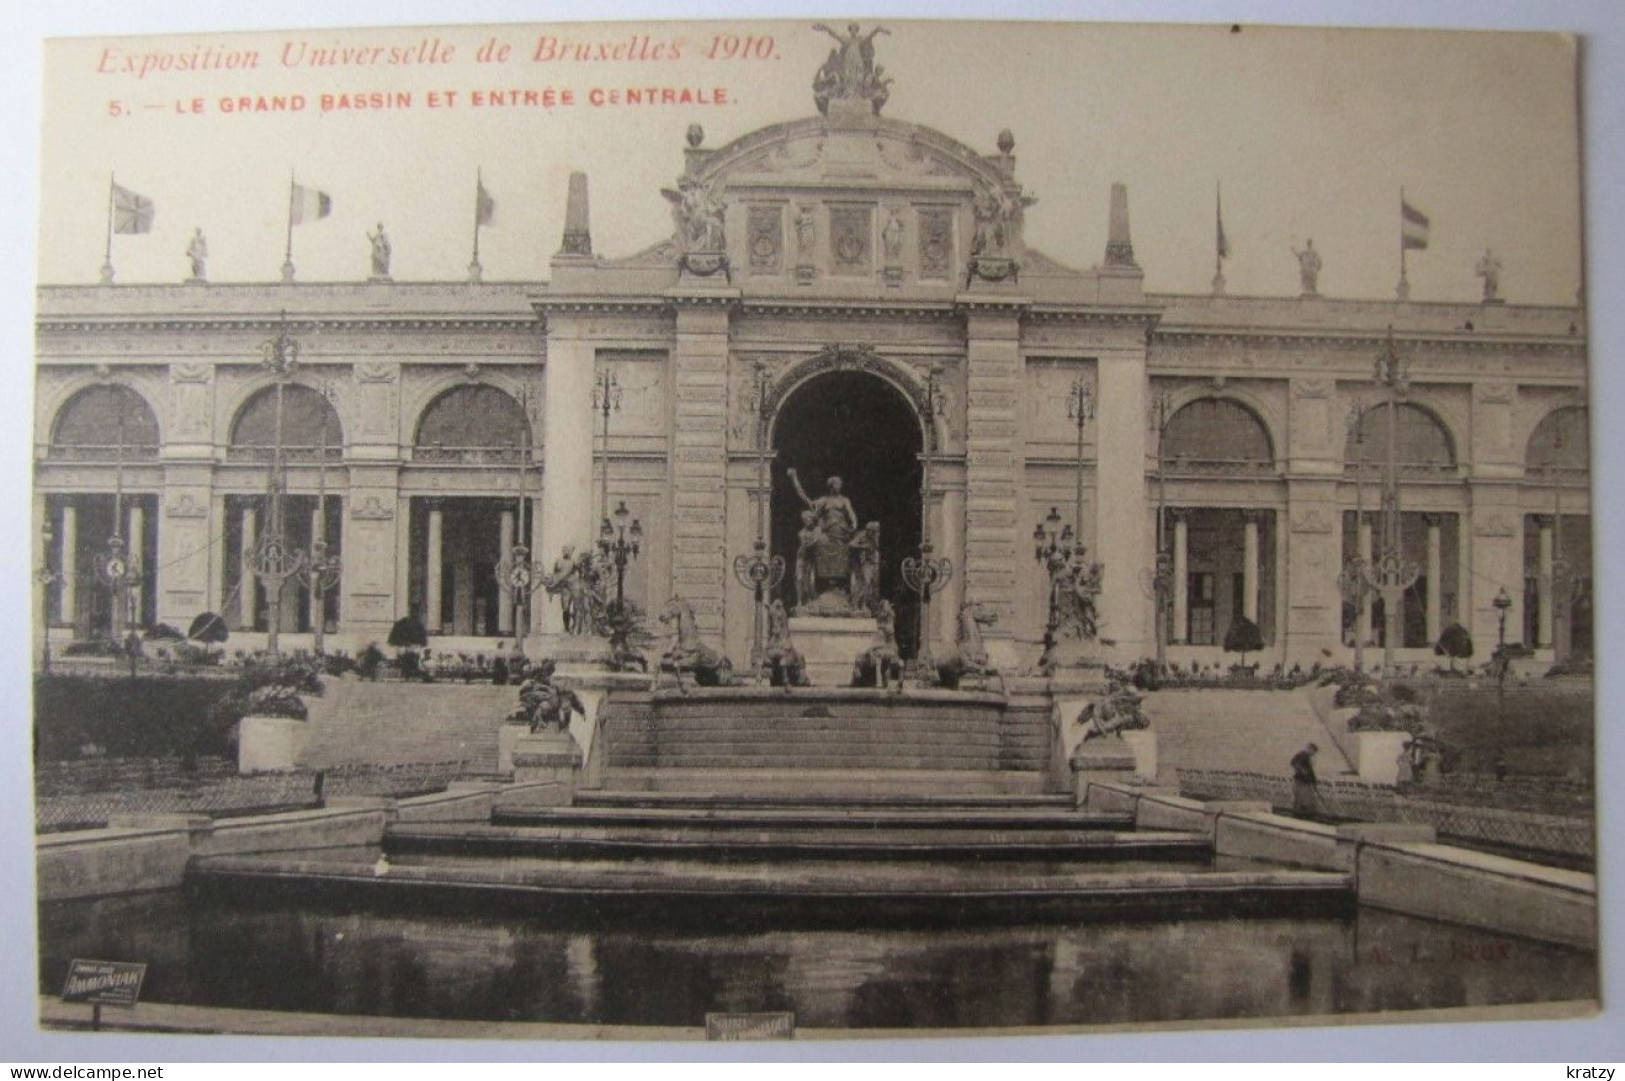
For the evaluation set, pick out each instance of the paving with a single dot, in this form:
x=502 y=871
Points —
x=1251 y=731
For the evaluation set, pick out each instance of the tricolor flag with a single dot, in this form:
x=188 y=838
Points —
x=1223 y=242
x=132 y=213
x=485 y=207
x=308 y=204
x=1413 y=227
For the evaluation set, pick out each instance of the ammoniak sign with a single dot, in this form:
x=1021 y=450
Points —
x=104 y=983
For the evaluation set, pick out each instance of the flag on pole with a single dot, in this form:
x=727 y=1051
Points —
x=485 y=207
x=132 y=213
x=1223 y=242
x=1413 y=227
x=308 y=204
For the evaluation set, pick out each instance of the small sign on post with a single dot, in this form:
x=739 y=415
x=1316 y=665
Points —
x=750 y=1026
x=103 y=983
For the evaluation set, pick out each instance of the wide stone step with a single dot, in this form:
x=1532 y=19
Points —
x=807 y=892
x=826 y=760
x=715 y=841
x=834 y=784
x=806 y=817
x=874 y=800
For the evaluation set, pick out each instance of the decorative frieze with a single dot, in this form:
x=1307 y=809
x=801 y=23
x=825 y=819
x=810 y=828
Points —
x=851 y=240
x=765 y=239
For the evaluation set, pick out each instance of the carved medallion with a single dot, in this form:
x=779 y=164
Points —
x=936 y=242
x=766 y=225
x=849 y=229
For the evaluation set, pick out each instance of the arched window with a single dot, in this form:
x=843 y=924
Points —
x=310 y=425
x=97 y=421
x=474 y=423
x=1560 y=443
x=1422 y=446
x=1217 y=435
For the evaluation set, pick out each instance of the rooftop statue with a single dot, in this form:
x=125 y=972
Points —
x=697 y=210
x=850 y=72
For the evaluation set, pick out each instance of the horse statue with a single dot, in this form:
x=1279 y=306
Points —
x=706 y=666
x=969 y=660
x=880 y=665
x=544 y=705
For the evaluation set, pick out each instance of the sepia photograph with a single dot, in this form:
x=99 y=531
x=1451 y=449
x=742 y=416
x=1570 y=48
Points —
x=810 y=529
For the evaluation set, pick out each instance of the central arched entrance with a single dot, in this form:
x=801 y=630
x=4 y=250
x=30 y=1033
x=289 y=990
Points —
x=859 y=427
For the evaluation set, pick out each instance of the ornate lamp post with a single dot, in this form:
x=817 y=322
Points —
x=759 y=572
x=1390 y=573
x=1502 y=604
x=619 y=544
x=1053 y=548
x=117 y=567
x=606 y=399
x=1162 y=574
x=275 y=561
x=1565 y=587
x=1352 y=583
x=517 y=575
x=927 y=573
x=322 y=566
x=46 y=576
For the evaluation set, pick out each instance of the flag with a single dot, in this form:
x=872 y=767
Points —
x=1218 y=213
x=308 y=204
x=1413 y=227
x=132 y=213
x=485 y=207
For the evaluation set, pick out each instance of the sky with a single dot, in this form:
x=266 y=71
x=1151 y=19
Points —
x=1311 y=134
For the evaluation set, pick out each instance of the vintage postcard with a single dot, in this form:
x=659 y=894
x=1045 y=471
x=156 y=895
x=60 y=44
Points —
x=766 y=530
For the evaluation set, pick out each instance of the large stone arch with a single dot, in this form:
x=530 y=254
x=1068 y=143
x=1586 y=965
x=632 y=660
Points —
x=1220 y=429
x=472 y=421
x=95 y=420
x=841 y=358
x=310 y=422
x=1425 y=442
x=1560 y=439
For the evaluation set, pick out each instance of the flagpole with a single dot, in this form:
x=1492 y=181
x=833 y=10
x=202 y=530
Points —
x=287 y=251
x=1404 y=290
x=1218 y=244
x=107 y=257
x=474 y=267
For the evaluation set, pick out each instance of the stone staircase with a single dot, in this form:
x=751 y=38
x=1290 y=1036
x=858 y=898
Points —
x=388 y=724
x=1255 y=731
x=826 y=731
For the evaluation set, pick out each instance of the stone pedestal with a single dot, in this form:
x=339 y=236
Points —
x=1143 y=744
x=830 y=644
x=1379 y=756
x=270 y=743
x=508 y=736
x=548 y=756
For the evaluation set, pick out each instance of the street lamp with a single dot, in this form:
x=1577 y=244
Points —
x=620 y=544
x=516 y=574
x=606 y=399
x=927 y=573
x=275 y=561
x=322 y=565
x=1162 y=572
x=1390 y=573
x=1502 y=604
x=1354 y=583
x=759 y=572
x=1053 y=547
x=45 y=577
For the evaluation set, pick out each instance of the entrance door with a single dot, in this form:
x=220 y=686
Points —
x=856 y=426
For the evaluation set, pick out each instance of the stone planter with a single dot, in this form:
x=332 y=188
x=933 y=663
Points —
x=267 y=744
x=1378 y=759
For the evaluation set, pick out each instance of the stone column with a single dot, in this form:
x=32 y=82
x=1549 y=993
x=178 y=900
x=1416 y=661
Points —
x=138 y=557
x=1363 y=623
x=462 y=597
x=567 y=433
x=993 y=466
x=504 y=550
x=433 y=558
x=699 y=459
x=1435 y=572
x=1181 y=582
x=1544 y=633
x=216 y=586
x=1124 y=526
x=68 y=564
x=1249 y=565
x=248 y=589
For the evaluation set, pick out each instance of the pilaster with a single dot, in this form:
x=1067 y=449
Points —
x=700 y=456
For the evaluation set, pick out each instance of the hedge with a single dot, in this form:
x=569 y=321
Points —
x=127 y=718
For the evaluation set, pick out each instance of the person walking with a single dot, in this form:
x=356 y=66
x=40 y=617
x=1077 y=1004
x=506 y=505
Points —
x=1305 y=797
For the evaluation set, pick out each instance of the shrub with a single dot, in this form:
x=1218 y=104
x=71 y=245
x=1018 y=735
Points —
x=1243 y=637
x=162 y=632
x=1454 y=643
x=408 y=633
x=208 y=628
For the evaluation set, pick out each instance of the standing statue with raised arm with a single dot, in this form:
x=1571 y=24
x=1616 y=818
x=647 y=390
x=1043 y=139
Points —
x=850 y=72
x=829 y=550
